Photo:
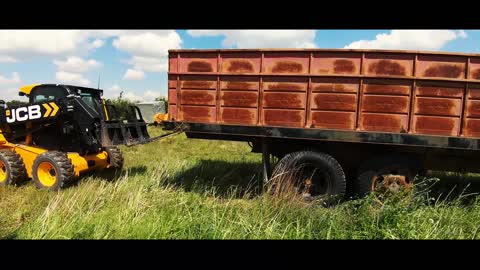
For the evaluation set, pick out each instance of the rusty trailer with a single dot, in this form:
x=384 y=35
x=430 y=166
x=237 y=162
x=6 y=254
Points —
x=372 y=111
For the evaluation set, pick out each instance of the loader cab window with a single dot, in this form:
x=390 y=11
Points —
x=89 y=99
x=47 y=93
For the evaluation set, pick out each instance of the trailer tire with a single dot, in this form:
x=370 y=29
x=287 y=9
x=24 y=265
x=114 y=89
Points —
x=314 y=175
x=115 y=159
x=12 y=168
x=52 y=170
x=402 y=169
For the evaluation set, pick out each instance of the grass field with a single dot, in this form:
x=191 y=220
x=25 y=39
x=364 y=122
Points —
x=195 y=189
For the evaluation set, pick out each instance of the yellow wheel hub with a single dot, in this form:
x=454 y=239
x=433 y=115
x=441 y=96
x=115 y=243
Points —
x=47 y=175
x=3 y=172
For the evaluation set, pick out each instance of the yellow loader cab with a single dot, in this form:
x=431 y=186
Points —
x=63 y=132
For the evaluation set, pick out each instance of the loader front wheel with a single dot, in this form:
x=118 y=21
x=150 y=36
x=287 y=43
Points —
x=52 y=170
x=115 y=159
x=12 y=168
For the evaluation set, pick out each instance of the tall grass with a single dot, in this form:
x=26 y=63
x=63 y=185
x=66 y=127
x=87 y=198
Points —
x=195 y=189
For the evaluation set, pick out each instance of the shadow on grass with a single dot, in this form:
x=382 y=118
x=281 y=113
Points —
x=452 y=186
x=238 y=179
x=226 y=179
x=109 y=175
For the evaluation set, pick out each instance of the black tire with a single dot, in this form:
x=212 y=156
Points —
x=115 y=159
x=398 y=165
x=63 y=173
x=325 y=174
x=13 y=168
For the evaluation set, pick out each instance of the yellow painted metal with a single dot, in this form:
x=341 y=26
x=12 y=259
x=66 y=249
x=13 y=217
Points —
x=160 y=117
x=45 y=105
x=28 y=88
x=55 y=108
x=47 y=175
x=105 y=109
x=28 y=154
x=80 y=163
x=2 y=139
x=3 y=172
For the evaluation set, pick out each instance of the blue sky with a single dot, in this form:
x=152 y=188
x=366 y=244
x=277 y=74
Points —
x=135 y=61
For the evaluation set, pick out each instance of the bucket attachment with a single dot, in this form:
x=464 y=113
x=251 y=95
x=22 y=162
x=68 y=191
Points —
x=129 y=131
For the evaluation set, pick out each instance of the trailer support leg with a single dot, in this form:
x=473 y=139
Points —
x=266 y=161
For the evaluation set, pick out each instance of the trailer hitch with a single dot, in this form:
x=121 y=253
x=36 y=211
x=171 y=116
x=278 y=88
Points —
x=163 y=136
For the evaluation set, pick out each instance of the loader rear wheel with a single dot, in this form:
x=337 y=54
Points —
x=115 y=159
x=12 y=168
x=52 y=170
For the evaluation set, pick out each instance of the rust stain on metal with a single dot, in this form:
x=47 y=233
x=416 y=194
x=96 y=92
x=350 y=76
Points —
x=472 y=128
x=385 y=104
x=387 y=67
x=335 y=102
x=287 y=67
x=238 y=85
x=284 y=100
x=387 y=89
x=343 y=66
x=283 y=117
x=198 y=97
x=438 y=106
x=239 y=116
x=444 y=70
x=330 y=88
x=198 y=113
x=199 y=66
x=436 y=125
x=435 y=91
x=284 y=86
x=238 y=66
x=197 y=84
x=476 y=74
x=240 y=99
x=473 y=108
x=383 y=122
x=333 y=120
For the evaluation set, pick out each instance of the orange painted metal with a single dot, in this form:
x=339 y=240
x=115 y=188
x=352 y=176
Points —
x=414 y=92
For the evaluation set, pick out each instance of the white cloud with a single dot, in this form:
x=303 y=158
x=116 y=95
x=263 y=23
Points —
x=72 y=78
x=149 y=64
x=462 y=34
x=132 y=97
x=409 y=40
x=28 y=43
x=76 y=64
x=97 y=43
x=133 y=74
x=262 y=38
x=7 y=59
x=149 y=49
x=10 y=86
x=114 y=88
x=14 y=79
x=24 y=44
x=151 y=95
x=148 y=95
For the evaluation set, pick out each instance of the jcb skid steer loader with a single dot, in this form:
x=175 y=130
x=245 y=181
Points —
x=64 y=132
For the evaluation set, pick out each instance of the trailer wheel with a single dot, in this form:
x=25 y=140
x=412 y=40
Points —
x=52 y=170
x=386 y=174
x=12 y=168
x=313 y=175
x=115 y=159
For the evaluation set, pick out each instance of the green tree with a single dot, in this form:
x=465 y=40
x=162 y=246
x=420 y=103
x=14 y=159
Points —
x=16 y=103
x=122 y=108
